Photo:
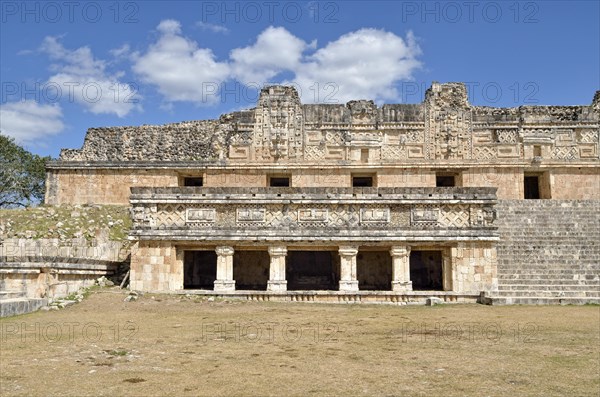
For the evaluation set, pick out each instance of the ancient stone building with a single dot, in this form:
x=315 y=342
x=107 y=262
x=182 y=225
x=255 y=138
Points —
x=354 y=202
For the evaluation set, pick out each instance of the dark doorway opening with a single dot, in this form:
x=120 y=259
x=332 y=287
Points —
x=312 y=270
x=193 y=181
x=532 y=187
x=374 y=270
x=251 y=270
x=445 y=181
x=279 y=181
x=426 y=270
x=362 y=181
x=199 y=269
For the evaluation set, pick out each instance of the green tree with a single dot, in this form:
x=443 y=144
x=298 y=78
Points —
x=22 y=175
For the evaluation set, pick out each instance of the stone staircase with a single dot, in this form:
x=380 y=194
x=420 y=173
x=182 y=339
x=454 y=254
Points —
x=549 y=252
x=13 y=303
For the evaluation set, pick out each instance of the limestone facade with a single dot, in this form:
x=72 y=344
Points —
x=325 y=145
x=456 y=222
x=350 y=197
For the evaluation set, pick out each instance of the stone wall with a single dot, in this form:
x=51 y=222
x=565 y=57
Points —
x=155 y=266
x=575 y=184
x=101 y=186
x=191 y=140
x=549 y=248
x=509 y=181
x=112 y=186
x=474 y=267
x=48 y=252
x=40 y=268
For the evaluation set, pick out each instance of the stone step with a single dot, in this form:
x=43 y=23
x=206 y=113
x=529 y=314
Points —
x=11 y=294
x=536 y=271
x=547 y=287
x=537 y=300
x=551 y=294
x=539 y=271
x=548 y=281
x=549 y=251
x=17 y=306
x=575 y=269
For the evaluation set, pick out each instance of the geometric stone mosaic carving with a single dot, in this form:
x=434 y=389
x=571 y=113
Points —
x=374 y=215
x=565 y=152
x=313 y=215
x=425 y=216
x=393 y=152
x=484 y=152
x=273 y=216
x=200 y=215
x=454 y=216
x=507 y=136
x=250 y=215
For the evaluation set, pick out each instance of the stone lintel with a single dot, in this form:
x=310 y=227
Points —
x=348 y=250
x=400 y=251
x=224 y=250
x=278 y=250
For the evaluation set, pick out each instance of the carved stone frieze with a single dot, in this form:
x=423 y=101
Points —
x=280 y=128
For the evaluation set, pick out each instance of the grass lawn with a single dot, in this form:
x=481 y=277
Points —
x=187 y=346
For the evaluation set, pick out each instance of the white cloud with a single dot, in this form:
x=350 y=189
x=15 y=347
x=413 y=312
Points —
x=84 y=79
x=364 y=64
x=120 y=52
x=28 y=121
x=179 y=68
x=212 y=27
x=275 y=50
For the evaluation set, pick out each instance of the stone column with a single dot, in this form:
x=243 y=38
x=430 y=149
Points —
x=348 y=281
x=224 y=281
x=401 y=268
x=277 y=281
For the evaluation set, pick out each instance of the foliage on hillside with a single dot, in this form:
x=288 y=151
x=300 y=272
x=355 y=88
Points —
x=66 y=222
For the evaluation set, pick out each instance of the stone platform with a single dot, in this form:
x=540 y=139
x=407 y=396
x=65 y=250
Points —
x=365 y=297
x=15 y=306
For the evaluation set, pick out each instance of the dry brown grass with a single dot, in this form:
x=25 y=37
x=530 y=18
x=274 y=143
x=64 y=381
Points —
x=170 y=345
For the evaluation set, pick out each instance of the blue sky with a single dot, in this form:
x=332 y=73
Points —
x=69 y=66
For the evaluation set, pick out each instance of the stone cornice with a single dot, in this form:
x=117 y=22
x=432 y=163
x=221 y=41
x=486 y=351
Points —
x=251 y=195
x=233 y=165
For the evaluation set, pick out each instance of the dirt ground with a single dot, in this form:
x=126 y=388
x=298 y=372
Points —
x=187 y=346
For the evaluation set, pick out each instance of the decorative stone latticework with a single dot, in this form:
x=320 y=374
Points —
x=372 y=215
x=445 y=127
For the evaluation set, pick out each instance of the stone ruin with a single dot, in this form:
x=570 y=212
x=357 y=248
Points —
x=354 y=202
